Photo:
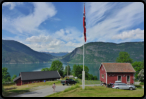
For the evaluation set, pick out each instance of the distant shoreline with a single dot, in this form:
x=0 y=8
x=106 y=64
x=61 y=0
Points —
x=25 y=63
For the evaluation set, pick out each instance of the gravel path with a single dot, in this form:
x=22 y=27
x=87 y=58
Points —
x=41 y=91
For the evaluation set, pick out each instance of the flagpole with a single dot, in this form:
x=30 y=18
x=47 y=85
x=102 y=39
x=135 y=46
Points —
x=83 y=69
x=83 y=72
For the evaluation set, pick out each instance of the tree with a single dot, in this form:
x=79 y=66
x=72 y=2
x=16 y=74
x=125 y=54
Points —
x=5 y=75
x=57 y=65
x=91 y=77
x=86 y=69
x=124 y=57
x=77 y=71
x=95 y=77
x=67 y=69
x=73 y=70
x=141 y=75
x=138 y=65
x=45 y=69
x=142 y=64
x=14 y=76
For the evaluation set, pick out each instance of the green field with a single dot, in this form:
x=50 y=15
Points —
x=98 y=91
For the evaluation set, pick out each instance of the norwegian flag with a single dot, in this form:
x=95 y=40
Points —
x=84 y=24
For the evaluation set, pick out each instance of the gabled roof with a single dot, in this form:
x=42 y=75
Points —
x=118 y=67
x=39 y=75
x=16 y=78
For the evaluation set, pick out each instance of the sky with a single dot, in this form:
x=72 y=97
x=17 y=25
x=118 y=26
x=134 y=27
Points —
x=58 y=26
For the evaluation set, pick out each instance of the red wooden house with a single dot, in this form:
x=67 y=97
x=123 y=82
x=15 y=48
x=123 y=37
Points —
x=111 y=72
x=37 y=76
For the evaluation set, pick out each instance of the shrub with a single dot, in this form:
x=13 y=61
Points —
x=3 y=88
x=77 y=80
x=142 y=83
x=137 y=86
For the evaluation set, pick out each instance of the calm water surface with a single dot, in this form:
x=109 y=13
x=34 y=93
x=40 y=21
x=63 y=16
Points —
x=15 y=69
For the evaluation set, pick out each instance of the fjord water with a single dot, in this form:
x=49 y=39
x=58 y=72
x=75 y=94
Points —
x=15 y=69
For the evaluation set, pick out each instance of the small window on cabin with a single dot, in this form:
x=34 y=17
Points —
x=102 y=76
x=128 y=78
x=102 y=68
x=119 y=78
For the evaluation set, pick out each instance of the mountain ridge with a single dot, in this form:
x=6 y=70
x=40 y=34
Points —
x=95 y=52
x=16 y=52
x=105 y=51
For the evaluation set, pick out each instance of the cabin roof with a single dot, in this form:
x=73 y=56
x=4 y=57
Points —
x=16 y=78
x=38 y=75
x=118 y=67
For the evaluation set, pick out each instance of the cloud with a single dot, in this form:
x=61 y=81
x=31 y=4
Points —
x=133 y=34
x=50 y=43
x=96 y=11
x=40 y=38
x=11 y=4
x=69 y=34
x=107 y=22
x=109 y=19
x=31 y=22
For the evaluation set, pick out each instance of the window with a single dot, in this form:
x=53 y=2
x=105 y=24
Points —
x=102 y=68
x=102 y=76
x=119 y=78
x=128 y=78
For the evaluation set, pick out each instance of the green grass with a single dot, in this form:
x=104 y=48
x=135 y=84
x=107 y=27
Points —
x=66 y=90
x=72 y=87
x=88 y=82
x=51 y=83
x=138 y=86
x=15 y=92
x=98 y=91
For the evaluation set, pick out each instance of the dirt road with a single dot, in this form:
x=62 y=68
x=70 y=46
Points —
x=42 y=92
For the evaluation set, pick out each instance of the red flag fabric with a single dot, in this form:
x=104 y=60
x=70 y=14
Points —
x=84 y=24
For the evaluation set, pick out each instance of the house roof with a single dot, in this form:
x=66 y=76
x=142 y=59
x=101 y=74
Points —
x=39 y=75
x=16 y=78
x=118 y=67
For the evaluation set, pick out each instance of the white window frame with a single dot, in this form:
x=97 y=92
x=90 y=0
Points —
x=129 y=78
x=117 y=78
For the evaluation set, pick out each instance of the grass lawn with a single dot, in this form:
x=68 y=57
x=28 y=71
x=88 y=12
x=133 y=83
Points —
x=15 y=90
x=89 y=82
x=99 y=91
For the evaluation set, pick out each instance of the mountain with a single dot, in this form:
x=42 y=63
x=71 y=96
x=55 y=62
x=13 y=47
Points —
x=16 y=52
x=56 y=54
x=97 y=52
